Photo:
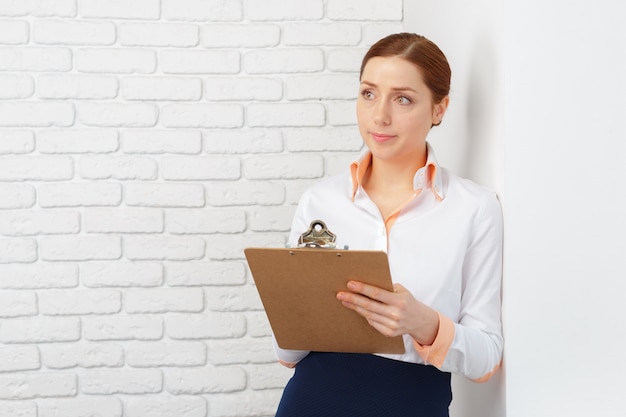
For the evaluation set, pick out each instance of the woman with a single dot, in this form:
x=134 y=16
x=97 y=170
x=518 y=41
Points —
x=443 y=237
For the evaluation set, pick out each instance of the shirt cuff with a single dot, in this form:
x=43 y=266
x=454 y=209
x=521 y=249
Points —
x=436 y=353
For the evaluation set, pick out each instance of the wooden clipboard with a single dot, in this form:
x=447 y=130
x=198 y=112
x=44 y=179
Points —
x=298 y=288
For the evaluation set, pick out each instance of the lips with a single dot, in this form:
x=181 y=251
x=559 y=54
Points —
x=380 y=137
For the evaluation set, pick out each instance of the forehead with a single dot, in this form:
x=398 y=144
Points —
x=392 y=70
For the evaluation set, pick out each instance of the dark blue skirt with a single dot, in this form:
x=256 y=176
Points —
x=362 y=385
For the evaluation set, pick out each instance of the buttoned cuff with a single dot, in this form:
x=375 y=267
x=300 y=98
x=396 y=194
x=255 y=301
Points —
x=436 y=353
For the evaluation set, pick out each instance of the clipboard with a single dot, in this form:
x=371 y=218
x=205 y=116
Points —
x=298 y=288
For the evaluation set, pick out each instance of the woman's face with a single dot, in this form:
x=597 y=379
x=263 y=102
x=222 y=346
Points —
x=395 y=110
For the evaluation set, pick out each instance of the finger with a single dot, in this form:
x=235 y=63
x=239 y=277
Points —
x=370 y=291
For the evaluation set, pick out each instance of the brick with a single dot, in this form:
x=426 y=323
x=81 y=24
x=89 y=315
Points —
x=205 y=326
x=21 y=358
x=205 y=381
x=122 y=327
x=60 y=141
x=37 y=385
x=233 y=299
x=39 y=8
x=14 y=32
x=326 y=34
x=202 y=115
x=117 y=114
x=80 y=248
x=16 y=142
x=199 y=62
x=115 y=220
x=205 y=221
x=294 y=189
x=164 y=300
x=79 y=302
x=179 y=354
x=16 y=196
x=173 y=248
x=243 y=141
x=161 y=88
x=18 y=250
x=364 y=10
x=38 y=276
x=258 y=324
x=117 y=167
x=245 y=193
x=165 y=195
x=40 y=222
x=82 y=355
x=200 y=168
x=35 y=59
x=53 y=32
x=15 y=86
x=342 y=113
x=268 y=376
x=271 y=219
x=240 y=351
x=17 y=304
x=18 y=409
x=158 y=34
x=160 y=406
x=121 y=381
x=345 y=59
x=246 y=35
x=318 y=140
x=222 y=247
x=77 y=86
x=80 y=194
x=121 y=274
x=120 y=9
x=36 y=114
x=248 y=404
x=243 y=89
x=153 y=141
x=205 y=273
x=101 y=406
x=116 y=60
x=203 y=10
x=283 y=166
x=285 y=115
x=280 y=61
x=285 y=10
x=322 y=87
x=40 y=330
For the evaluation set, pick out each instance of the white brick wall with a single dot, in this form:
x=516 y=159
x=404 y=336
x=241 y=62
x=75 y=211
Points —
x=143 y=145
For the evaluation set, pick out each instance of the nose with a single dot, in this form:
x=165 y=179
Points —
x=382 y=115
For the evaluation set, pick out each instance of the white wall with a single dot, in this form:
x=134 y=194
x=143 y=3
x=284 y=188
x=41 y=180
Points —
x=557 y=161
x=143 y=145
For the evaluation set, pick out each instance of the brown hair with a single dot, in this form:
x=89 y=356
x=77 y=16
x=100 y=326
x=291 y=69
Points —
x=421 y=52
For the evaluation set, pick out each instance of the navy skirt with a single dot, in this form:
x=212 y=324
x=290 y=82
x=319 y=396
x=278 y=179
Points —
x=362 y=385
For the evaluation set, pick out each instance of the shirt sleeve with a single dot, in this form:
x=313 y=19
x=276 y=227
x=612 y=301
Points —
x=473 y=346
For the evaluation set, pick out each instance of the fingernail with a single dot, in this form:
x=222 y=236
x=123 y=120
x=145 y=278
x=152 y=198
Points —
x=351 y=285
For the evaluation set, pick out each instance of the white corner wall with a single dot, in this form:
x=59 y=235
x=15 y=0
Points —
x=545 y=83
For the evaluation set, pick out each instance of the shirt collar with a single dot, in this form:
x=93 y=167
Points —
x=428 y=176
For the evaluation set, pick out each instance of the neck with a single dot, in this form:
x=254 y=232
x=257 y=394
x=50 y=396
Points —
x=394 y=174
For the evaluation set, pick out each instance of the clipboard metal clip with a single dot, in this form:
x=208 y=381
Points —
x=317 y=236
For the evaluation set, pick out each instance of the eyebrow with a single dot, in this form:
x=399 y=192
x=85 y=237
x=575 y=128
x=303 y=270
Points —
x=393 y=88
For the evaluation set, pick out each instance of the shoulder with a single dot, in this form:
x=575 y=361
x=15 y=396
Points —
x=463 y=192
x=336 y=185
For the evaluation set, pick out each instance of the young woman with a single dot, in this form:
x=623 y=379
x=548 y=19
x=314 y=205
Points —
x=443 y=237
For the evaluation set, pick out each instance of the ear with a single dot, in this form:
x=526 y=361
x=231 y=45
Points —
x=439 y=110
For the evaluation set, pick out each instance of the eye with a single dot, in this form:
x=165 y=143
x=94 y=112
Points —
x=403 y=100
x=367 y=94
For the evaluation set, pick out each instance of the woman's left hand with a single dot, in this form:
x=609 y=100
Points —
x=392 y=313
